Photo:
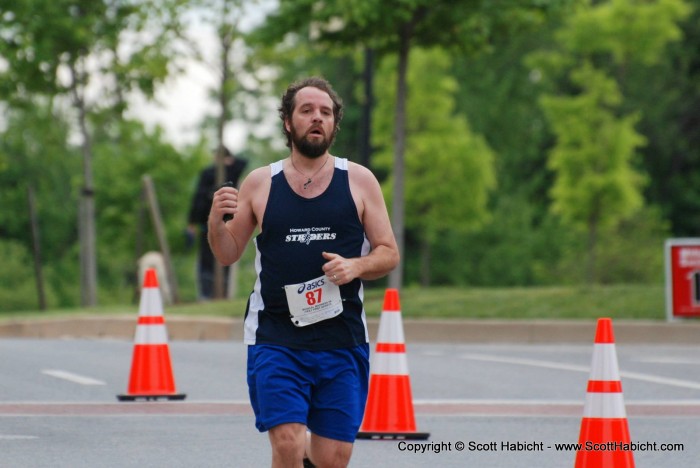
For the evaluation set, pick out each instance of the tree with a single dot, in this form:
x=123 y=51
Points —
x=39 y=158
x=91 y=53
x=124 y=152
x=225 y=17
x=668 y=94
x=449 y=169
x=597 y=182
x=394 y=27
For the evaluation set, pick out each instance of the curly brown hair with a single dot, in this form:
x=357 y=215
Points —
x=288 y=103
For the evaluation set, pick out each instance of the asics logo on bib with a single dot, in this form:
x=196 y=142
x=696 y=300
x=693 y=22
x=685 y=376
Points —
x=306 y=235
x=310 y=286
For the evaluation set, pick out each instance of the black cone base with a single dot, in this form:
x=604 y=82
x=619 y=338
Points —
x=170 y=396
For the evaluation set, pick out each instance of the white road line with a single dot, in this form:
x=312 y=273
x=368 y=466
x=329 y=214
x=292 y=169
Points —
x=662 y=360
x=17 y=437
x=527 y=362
x=474 y=401
x=506 y=402
x=660 y=380
x=71 y=377
x=570 y=367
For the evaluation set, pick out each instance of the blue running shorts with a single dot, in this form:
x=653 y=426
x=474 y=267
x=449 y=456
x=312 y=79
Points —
x=324 y=390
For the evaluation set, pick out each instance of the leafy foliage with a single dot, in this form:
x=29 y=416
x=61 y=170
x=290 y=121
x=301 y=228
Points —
x=123 y=157
x=35 y=145
x=596 y=182
x=616 y=138
x=449 y=168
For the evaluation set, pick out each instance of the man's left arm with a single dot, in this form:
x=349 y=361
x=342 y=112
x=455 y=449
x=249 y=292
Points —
x=384 y=254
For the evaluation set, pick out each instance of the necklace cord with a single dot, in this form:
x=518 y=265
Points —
x=309 y=178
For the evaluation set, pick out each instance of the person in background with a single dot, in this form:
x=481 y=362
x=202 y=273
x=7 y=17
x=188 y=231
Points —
x=323 y=229
x=197 y=220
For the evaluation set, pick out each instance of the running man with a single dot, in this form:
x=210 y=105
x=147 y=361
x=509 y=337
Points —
x=323 y=228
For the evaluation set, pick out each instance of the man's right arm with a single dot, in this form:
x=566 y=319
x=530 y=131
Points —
x=228 y=239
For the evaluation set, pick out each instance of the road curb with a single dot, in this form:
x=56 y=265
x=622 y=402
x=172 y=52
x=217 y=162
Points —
x=415 y=330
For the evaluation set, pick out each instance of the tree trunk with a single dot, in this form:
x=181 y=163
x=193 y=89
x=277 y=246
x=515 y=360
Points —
x=225 y=42
x=159 y=227
x=397 y=205
x=86 y=222
x=36 y=248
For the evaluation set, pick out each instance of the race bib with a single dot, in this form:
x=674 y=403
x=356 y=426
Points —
x=313 y=301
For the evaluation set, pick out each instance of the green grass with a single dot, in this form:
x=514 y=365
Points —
x=561 y=302
x=575 y=302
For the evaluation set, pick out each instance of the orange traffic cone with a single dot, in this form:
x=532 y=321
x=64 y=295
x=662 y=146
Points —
x=604 y=437
x=389 y=411
x=151 y=375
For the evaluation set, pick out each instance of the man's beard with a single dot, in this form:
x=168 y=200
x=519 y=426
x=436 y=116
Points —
x=307 y=147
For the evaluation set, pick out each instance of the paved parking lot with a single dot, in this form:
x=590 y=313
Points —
x=58 y=406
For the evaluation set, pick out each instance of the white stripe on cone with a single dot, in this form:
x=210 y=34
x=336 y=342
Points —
x=151 y=334
x=604 y=368
x=390 y=328
x=604 y=364
x=390 y=333
x=151 y=305
x=604 y=405
x=390 y=364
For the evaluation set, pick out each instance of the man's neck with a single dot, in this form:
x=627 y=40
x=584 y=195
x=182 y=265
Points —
x=304 y=162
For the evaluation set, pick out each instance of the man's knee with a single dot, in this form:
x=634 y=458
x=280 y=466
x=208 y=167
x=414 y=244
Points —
x=329 y=453
x=288 y=441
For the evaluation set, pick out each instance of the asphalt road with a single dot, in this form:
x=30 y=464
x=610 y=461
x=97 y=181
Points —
x=58 y=406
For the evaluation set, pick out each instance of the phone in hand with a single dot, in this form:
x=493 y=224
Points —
x=227 y=216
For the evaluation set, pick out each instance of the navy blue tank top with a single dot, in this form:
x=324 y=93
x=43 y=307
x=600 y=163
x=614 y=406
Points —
x=295 y=231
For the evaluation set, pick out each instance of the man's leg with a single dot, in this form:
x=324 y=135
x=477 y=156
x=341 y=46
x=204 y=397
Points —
x=205 y=268
x=288 y=443
x=206 y=285
x=329 y=453
x=338 y=405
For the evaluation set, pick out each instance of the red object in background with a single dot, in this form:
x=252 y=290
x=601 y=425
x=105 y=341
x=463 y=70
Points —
x=682 y=278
